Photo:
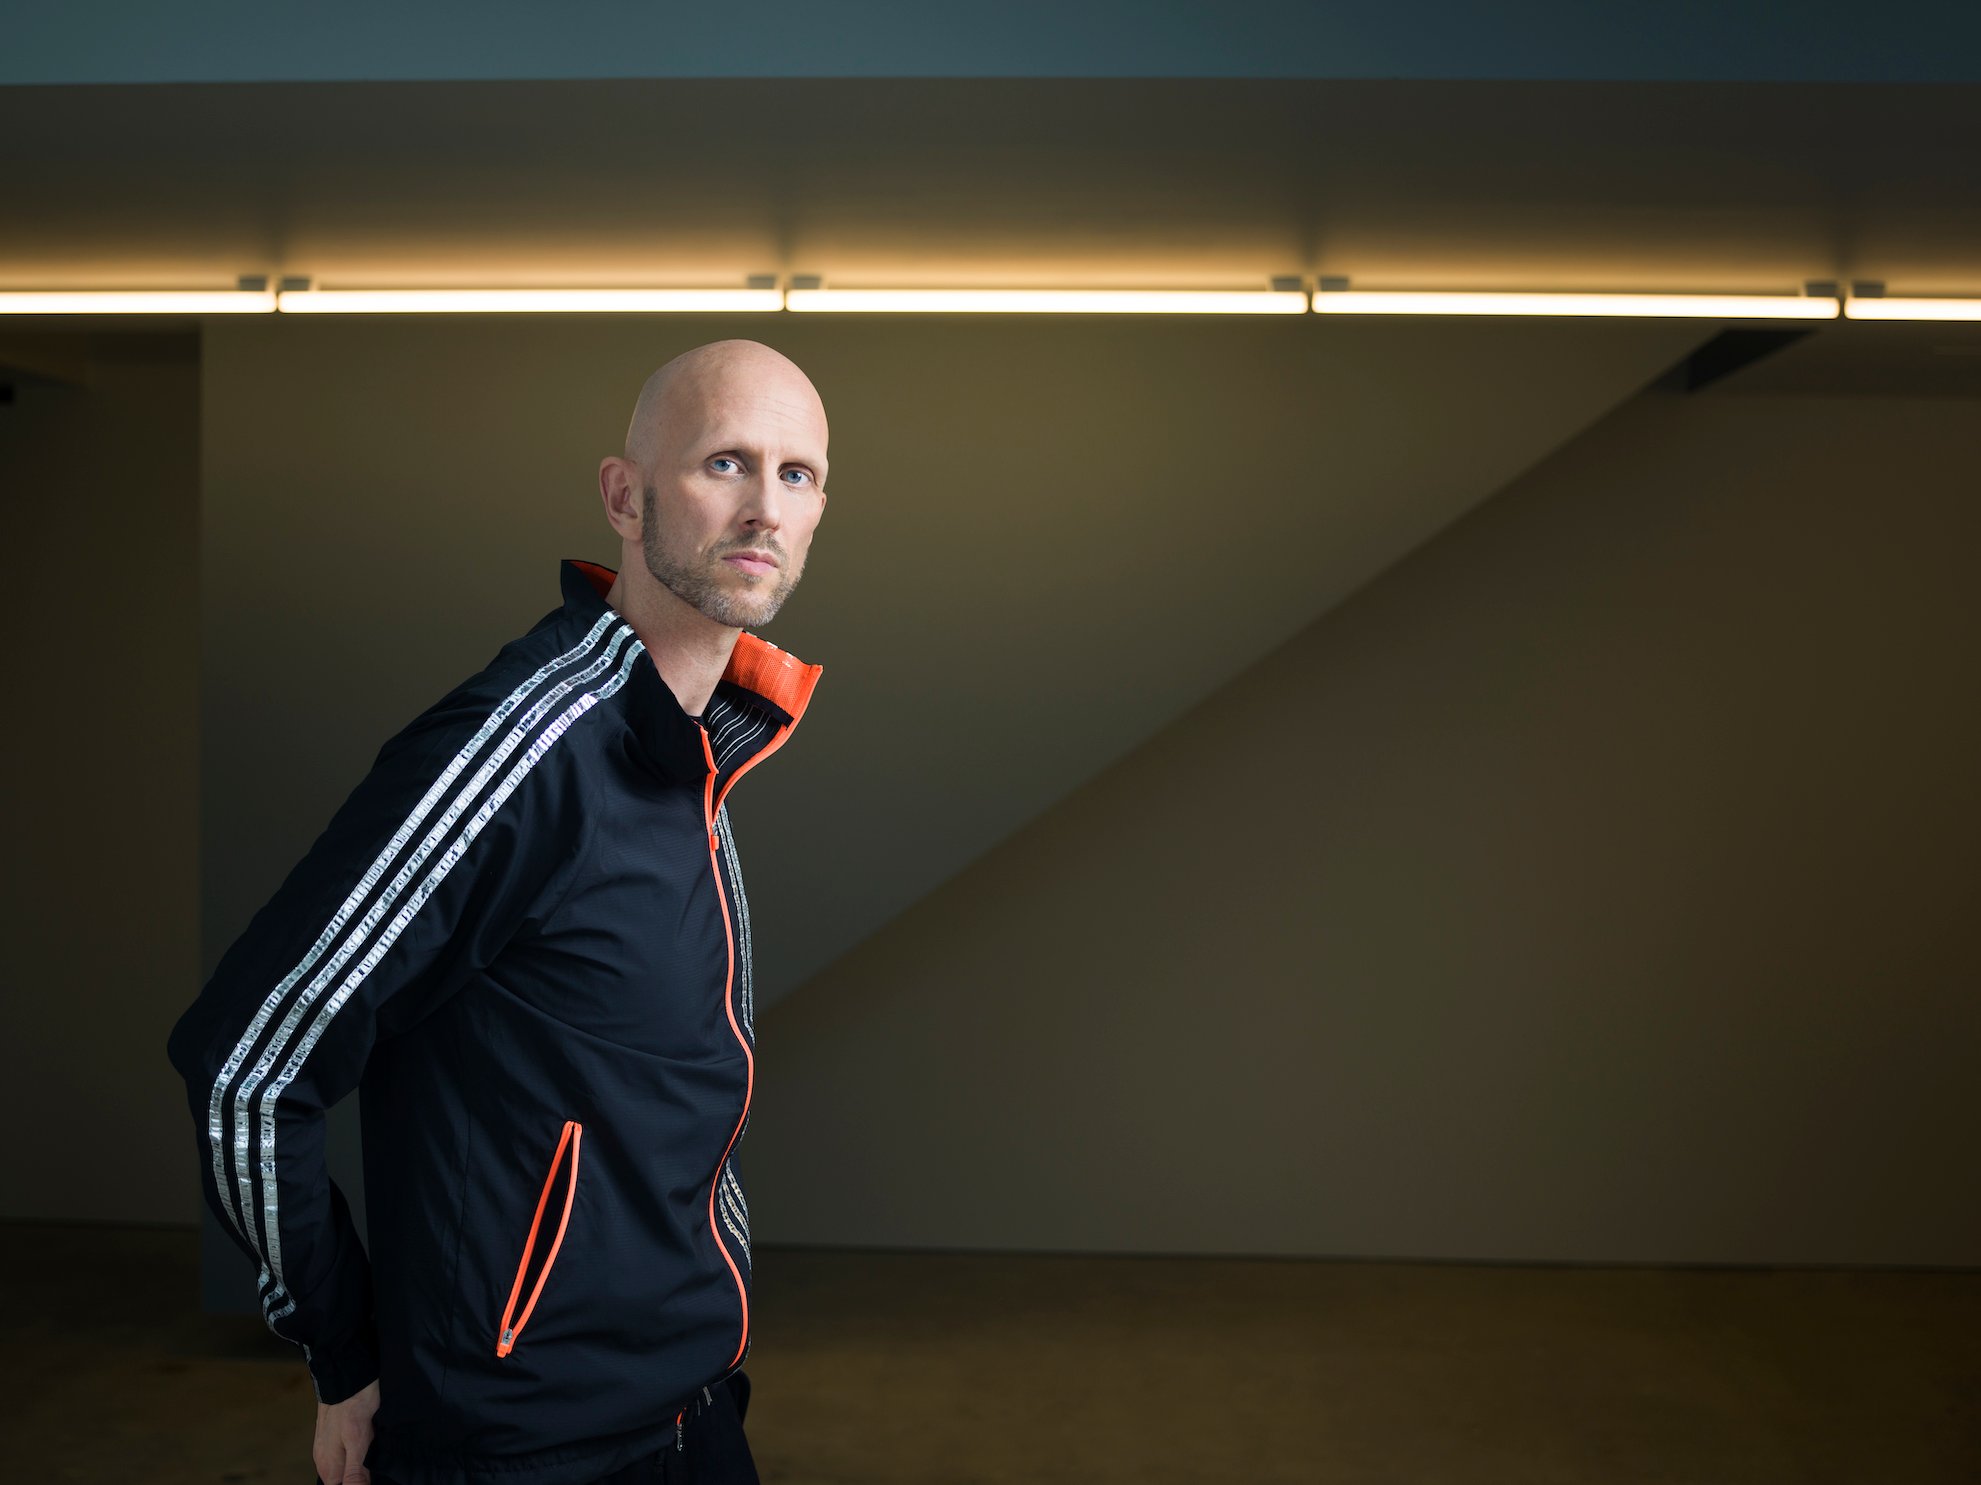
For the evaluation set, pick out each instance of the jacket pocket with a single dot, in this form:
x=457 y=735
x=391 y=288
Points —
x=512 y=1323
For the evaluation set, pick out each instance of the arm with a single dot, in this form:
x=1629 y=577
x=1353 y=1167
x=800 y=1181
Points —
x=465 y=824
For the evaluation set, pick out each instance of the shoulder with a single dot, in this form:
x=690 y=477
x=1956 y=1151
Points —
x=532 y=712
x=542 y=679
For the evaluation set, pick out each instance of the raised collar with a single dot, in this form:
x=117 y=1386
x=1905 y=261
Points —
x=758 y=675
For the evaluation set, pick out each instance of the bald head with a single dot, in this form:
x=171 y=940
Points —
x=681 y=396
x=720 y=488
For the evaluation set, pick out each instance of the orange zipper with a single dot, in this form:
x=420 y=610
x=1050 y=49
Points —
x=573 y=1136
x=710 y=804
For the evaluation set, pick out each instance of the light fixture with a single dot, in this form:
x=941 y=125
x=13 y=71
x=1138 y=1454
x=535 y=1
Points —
x=1335 y=297
x=137 y=302
x=1820 y=300
x=1868 y=301
x=1047 y=301
x=526 y=301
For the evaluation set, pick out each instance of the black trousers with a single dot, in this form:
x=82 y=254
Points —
x=709 y=1450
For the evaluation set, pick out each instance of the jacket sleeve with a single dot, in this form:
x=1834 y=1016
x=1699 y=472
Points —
x=465 y=828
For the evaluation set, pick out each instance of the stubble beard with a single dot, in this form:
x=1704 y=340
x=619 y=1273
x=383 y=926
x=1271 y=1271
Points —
x=701 y=586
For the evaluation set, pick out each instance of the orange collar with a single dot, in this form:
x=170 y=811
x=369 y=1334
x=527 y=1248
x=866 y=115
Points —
x=755 y=664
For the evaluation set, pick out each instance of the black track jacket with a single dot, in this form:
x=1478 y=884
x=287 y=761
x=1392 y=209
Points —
x=523 y=939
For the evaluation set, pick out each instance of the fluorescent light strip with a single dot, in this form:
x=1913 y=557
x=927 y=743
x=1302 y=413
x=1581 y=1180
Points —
x=1065 y=301
x=1051 y=301
x=1855 y=308
x=526 y=301
x=138 y=302
x=1700 y=306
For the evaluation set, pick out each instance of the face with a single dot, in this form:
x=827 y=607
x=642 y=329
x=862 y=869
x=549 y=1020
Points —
x=741 y=475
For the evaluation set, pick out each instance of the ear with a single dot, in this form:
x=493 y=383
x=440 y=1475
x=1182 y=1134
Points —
x=620 y=482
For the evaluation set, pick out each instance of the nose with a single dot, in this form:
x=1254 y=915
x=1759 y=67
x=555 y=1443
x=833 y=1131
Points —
x=765 y=508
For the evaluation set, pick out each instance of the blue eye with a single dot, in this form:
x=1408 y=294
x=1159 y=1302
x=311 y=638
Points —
x=806 y=473
x=722 y=459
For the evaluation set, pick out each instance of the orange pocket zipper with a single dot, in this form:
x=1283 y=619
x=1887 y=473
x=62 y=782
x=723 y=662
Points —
x=573 y=1135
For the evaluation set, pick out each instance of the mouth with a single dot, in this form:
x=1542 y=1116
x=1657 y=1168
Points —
x=751 y=562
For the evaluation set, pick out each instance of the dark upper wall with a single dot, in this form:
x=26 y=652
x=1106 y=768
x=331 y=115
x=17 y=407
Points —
x=1176 y=182
x=123 y=41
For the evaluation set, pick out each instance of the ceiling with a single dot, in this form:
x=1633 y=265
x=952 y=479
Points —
x=137 y=41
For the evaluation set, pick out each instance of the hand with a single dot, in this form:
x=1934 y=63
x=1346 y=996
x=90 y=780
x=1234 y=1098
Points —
x=343 y=1434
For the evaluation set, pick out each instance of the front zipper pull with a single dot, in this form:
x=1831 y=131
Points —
x=677 y=1431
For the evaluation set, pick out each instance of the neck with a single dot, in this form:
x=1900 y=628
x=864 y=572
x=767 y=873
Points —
x=689 y=649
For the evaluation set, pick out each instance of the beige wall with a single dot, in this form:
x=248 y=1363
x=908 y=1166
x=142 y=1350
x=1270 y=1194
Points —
x=100 y=754
x=386 y=498
x=1585 y=888
x=1597 y=885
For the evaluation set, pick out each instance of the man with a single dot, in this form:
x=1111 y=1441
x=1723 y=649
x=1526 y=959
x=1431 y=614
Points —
x=524 y=938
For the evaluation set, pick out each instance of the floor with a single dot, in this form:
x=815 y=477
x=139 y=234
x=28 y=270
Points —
x=952 y=1368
